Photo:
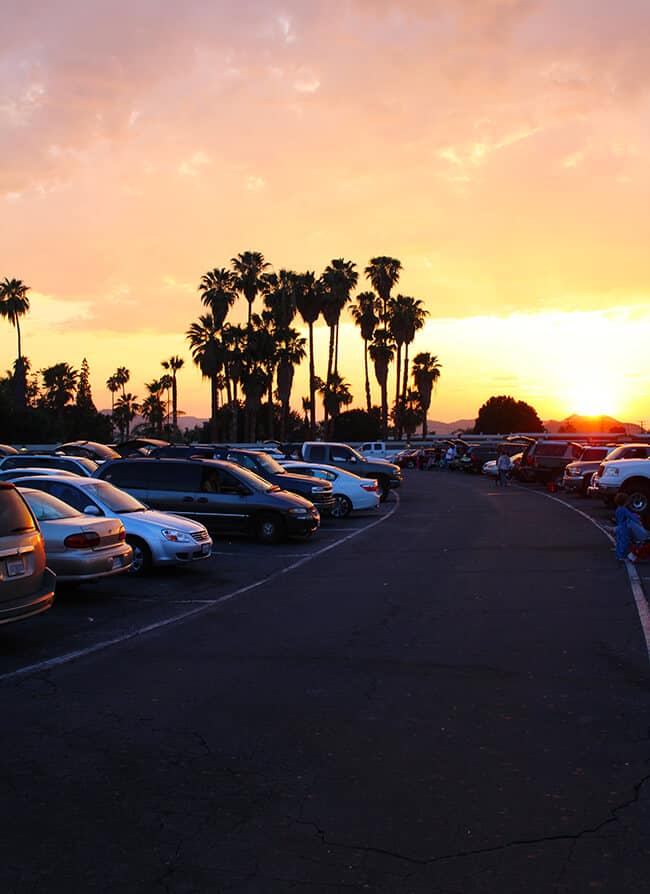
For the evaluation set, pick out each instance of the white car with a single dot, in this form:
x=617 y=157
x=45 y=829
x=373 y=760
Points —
x=351 y=493
x=157 y=538
x=490 y=469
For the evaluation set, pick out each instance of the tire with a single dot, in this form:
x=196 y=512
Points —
x=141 y=563
x=342 y=506
x=384 y=489
x=269 y=528
x=638 y=497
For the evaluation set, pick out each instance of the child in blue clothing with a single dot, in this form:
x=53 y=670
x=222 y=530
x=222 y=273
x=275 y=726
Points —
x=628 y=529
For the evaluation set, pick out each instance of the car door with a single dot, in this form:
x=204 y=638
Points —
x=172 y=485
x=224 y=503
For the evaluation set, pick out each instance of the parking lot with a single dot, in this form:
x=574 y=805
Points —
x=107 y=612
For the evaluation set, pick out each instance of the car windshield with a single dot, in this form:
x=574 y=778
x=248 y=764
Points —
x=48 y=508
x=269 y=464
x=252 y=480
x=114 y=499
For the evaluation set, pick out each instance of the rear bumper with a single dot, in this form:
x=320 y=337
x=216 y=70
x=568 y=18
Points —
x=33 y=604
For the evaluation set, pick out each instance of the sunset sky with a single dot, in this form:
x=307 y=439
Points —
x=498 y=148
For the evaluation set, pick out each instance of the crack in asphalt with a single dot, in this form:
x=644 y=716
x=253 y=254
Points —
x=473 y=852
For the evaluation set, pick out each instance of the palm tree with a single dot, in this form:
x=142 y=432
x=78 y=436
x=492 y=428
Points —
x=219 y=293
x=381 y=354
x=14 y=304
x=339 y=278
x=415 y=316
x=122 y=376
x=248 y=268
x=60 y=382
x=335 y=394
x=174 y=364
x=126 y=408
x=383 y=274
x=364 y=316
x=280 y=296
x=207 y=349
x=408 y=413
x=153 y=407
x=309 y=301
x=290 y=353
x=166 y=385
x=425 y=372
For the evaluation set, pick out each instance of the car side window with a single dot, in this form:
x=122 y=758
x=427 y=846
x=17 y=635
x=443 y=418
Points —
x=125 y=474
x=71 y=495
x=323 y=474
x=342 y=454
x=317 y=453
x=246 y=461
x=228 y=484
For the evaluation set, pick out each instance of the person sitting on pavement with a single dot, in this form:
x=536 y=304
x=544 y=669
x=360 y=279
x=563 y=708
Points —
x=629 y=529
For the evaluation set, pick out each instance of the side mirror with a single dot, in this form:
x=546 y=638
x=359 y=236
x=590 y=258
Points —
x=92 y=510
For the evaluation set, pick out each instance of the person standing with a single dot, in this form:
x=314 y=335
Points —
x=504 y=465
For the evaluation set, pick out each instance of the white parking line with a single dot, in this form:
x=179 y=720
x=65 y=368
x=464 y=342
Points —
x=203 y=607
x=635 y=582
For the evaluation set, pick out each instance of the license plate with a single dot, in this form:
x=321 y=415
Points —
x=15 y=566
x=117 y=562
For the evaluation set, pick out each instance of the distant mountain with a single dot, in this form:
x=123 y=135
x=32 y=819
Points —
x=592 y=425
x=449 y=428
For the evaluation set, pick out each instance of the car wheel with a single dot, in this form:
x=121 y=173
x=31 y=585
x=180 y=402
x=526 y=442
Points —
x=384 y=489
x=270 y=528
x=638 y=497
x=141 y=562
x=342 y=506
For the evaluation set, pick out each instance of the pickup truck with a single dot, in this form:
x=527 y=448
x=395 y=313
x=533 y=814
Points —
x=387 y=475
x=379 y=450
x=628 y=476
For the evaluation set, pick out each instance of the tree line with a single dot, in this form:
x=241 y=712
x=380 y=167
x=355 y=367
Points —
x=250 y=367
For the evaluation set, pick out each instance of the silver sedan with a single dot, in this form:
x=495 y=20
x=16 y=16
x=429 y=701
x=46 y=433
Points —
x=78 y=548
x=157 y=538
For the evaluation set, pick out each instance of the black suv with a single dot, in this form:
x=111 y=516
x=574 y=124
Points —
x=221 y=495
x=317 y=491
x=545 y=460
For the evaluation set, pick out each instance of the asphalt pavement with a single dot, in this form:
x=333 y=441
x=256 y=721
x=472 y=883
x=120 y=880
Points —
x=451 y=697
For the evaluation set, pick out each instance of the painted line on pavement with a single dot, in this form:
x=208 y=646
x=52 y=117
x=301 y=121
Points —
x=636 y=586
x=51 y=663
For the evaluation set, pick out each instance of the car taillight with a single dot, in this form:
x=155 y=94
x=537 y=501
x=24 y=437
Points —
x=121 y=534
x=369 y=486
x=85 y=540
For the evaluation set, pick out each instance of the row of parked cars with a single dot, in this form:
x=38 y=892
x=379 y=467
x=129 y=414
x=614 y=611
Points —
x=95 y=514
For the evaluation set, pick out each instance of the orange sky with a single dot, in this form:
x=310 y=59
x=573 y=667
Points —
x=498 y=148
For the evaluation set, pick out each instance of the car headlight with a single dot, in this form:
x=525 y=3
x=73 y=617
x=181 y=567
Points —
x=609 y=472
x=300 y=513
x=176 y=536
x=320 y=490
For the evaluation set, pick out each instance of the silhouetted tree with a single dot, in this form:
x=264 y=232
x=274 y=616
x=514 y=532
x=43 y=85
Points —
x=504 y=415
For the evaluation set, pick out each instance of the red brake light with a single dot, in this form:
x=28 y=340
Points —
x=121 y=534
x=369 y=486
x=85 y=540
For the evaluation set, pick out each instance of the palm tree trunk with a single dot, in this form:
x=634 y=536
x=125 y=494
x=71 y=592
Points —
x=214 y=401
x=398 y=370
x=174 y=402
x=312 y=387
x=365 y=364
x=271 y=427
x=384 y=408
x=406 y=371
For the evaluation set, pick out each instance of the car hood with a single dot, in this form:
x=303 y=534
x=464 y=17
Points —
x=158 y=519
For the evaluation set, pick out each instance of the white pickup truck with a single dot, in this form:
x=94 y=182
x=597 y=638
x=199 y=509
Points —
x=379 y=450
x=628 y=476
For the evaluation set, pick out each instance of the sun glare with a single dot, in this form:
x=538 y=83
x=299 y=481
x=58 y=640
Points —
x=597 y=397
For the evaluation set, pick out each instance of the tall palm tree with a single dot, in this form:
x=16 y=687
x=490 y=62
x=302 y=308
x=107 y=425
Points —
x=339 y=278
x=248 y=267
x=14 y=304
x=383 y=274
x=290 y=353
x=122 y=376
x=207 y=349
x=174 y=364
x=280 y=296
x=218 y=289
x=166 y=382
x=113 y=386
x=416 y=316
x=426 y=372
x=365 y=317
x=381 y=353
x=309 y=301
